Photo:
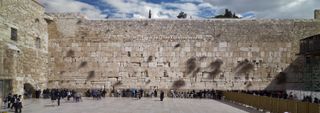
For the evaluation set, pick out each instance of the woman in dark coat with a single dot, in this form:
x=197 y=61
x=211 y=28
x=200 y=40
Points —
x=161 y=96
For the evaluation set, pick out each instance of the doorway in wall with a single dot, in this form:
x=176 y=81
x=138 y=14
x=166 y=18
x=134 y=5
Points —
x=5 y=88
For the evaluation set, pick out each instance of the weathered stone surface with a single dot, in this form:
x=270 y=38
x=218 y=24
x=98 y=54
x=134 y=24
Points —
x=22 y=61
x=74 y=52
x=120 y=50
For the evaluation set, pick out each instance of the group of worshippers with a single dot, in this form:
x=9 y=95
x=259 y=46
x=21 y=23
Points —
x=58 y=94
x=282 y=95
x=14 y=102
x=210 y=94
x=136 y=93
x=96 y=93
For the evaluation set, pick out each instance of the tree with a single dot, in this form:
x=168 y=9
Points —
x=182 y=15
x=150 y=15
x=227 y=14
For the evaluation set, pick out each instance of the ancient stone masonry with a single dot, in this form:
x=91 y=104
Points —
x=66 y=50
x=220 y=54
x=23 y=45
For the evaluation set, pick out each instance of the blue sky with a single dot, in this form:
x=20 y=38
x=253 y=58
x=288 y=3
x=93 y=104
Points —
x=196 y=9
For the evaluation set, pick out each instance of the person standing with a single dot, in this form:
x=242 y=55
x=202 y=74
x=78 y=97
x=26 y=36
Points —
x=18 y=105
x=173 y=93
x=68 y=95
x=161 y=96
x=135 y=93
x=8 y=100
x=104 y=93
x=52 y=95
x=13 y=101
x=155 y=93
x=58 y=95
x=141 y=93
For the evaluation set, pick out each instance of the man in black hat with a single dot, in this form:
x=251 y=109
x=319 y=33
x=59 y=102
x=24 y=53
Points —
x=161 y=96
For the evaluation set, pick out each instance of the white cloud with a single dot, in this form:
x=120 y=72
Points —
x=271 y=8
x=73 y=6
x=194 y=8
x=140 y=8
x=191 y=0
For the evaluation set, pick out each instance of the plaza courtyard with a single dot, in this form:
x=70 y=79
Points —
x=132 y=105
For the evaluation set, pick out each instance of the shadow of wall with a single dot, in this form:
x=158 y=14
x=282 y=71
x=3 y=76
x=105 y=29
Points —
x=291 y=78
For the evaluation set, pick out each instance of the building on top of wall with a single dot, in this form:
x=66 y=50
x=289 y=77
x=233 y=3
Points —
x=23 y=47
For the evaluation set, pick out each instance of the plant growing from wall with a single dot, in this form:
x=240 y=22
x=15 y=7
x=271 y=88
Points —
x=70 y=53
x=116 y=84
x=178 y=84
x=194 y=73
x=248 y=84
x=149 y=59
x=191 y=65
x=215 y=68
x=62 y=72
x=177 y=45
x=83 y=64
x=91 y=75
x=244 y=67
x=148 y=81
x=202 y=58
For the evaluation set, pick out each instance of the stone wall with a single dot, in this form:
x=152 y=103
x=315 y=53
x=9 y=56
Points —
x=25 y=60
x=220 y=54
x=80 y=53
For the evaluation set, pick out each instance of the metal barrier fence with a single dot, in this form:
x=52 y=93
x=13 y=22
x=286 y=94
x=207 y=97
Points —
x=273 y=105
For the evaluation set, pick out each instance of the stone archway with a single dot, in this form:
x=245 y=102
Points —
x=29 y=90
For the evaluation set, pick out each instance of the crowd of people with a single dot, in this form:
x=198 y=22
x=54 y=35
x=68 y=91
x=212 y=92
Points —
x=283 y=95
x=201 y=94
x=138 y=93
x=58 y=94
x=97 y=94
x=135 y=93
x=13 y=102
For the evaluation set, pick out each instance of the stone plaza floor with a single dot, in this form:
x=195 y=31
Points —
x=132 y=105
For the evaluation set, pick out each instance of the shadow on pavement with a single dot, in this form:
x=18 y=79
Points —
x=247 y=109
x=49 y=105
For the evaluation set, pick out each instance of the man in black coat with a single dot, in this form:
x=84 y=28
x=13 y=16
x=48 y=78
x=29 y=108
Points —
x=161 y=96
x=155 y=93
x=18 y=105
x=13 y=101
x=58 y=96
x=8 y=100
x=53 y=96
x=140 y=93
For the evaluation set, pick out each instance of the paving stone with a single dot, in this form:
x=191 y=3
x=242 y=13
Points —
x=131 y=105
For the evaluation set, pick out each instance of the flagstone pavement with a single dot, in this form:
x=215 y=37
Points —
x=132 y=105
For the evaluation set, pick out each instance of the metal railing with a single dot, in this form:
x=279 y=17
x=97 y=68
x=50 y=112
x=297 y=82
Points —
x=273 y=105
